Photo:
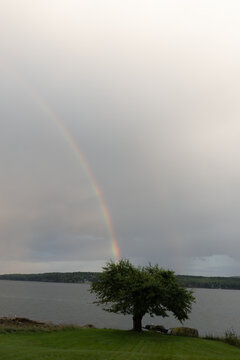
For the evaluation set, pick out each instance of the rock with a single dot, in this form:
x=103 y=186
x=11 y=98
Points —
x=88 y=326
x=159 y=328
x=184 y=331
x=147 y=327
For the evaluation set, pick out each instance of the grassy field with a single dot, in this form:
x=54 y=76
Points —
x=94 y=344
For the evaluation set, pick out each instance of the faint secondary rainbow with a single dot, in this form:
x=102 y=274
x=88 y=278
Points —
x=78 y=153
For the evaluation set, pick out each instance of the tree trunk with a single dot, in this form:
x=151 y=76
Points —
x=137 y=322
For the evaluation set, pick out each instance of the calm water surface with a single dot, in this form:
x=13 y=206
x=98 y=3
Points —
x=214 y=312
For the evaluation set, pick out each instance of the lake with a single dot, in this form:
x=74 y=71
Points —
x=214 y=312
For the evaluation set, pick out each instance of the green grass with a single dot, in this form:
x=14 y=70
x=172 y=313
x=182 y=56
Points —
x=95 y=344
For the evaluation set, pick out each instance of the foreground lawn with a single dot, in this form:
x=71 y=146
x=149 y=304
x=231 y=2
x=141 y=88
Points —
x=94 y=344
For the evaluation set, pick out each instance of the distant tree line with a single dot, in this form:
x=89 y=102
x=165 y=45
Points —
x=209 y=282
x=187 y=281
x=68 y=277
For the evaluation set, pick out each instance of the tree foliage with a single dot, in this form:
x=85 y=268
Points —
x=125 y=289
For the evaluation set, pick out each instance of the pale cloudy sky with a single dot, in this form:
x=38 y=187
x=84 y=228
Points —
x=149 y=91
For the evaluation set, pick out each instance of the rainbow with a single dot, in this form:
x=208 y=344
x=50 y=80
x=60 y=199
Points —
x=96 y=188
x=78 y=153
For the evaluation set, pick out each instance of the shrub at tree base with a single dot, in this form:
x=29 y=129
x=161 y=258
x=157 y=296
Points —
x=232 y=338
x=125 y=289
x=184 y=331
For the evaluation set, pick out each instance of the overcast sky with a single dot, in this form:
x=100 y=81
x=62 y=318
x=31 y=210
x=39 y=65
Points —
x=149 y=91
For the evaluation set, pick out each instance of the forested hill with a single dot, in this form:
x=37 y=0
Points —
x=68 y=277
x=209 y=282
x=82 y=277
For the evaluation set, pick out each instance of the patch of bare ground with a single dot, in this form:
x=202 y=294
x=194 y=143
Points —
x=11 y=324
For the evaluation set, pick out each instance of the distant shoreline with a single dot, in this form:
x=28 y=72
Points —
x=189 y=281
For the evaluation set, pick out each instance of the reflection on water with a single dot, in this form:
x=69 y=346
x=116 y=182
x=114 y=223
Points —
x=214 y=312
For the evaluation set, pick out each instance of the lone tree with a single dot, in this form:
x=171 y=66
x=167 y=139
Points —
x=126 y=289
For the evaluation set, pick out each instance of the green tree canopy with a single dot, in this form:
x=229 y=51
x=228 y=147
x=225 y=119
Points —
x=126 y=289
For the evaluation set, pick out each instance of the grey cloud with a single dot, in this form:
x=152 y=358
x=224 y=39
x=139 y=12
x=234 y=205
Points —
x=151 y=101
